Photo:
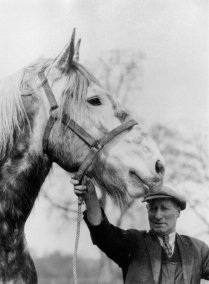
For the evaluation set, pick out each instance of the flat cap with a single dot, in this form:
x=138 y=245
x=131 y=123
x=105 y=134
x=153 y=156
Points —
x=166 y=192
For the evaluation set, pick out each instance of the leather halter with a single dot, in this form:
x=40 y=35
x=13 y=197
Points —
x=94 y=145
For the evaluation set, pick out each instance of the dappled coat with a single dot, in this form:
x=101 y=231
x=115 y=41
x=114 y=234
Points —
x=139 y=254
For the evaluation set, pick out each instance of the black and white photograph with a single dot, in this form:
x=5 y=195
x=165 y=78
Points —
x=104 y=142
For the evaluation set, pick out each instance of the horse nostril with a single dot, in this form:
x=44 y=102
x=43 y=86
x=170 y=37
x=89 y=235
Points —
x=159 y=167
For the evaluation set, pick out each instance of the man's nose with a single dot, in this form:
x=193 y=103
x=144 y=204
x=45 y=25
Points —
x=158 y=214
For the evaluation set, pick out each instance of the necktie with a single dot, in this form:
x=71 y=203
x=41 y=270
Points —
x=166 y=246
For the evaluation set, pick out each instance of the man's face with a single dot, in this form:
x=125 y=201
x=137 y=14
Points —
x=162 y=215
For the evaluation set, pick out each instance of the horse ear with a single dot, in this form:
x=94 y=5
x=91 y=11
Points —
x=76 y=53
x=65 y=58
x=71 y=51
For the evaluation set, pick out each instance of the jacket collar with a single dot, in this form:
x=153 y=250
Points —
x=186 y=251
x=155 y=254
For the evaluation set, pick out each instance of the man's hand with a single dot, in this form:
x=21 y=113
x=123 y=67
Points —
x=84 y=190
x=87 y=191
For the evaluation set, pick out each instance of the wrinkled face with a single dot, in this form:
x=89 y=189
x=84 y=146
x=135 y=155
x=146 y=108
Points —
x=162 y=215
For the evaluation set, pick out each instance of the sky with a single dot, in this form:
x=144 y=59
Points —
x=172 y=34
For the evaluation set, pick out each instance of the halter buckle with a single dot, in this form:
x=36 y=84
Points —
x=53 y=111
x=97 y=145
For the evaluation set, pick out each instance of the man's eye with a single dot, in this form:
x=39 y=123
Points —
x=95 y=101
x=165 y=208
x=152 y=209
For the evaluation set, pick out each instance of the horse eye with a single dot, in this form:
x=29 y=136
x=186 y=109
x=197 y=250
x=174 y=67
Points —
x=95 y=101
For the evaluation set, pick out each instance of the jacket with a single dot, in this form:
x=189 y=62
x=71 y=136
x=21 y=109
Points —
x=139 y=253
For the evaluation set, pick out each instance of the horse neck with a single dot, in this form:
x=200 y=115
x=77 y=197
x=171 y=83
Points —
x=21 y=176
x=23 y=169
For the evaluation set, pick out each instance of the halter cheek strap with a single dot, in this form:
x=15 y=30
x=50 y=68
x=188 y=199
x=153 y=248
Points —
x=53 y=107
x=94 y=145
x=48 y=91
x=79 y=131
x=94 y=150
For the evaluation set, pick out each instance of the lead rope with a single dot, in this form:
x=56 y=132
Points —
x=75 y=274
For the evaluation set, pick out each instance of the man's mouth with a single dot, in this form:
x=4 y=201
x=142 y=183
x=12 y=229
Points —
x=158 y=224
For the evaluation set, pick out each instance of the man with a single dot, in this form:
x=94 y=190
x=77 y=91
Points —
x=159 y=256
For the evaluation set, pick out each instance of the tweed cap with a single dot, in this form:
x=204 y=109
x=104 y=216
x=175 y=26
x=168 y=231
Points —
x=166 y=192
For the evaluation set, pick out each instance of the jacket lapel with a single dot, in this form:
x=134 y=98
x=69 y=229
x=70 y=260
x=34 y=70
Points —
x=155 y=254
x=187 y=254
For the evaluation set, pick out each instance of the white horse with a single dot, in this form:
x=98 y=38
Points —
x=128 y=164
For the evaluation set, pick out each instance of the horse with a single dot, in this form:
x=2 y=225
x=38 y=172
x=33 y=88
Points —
x=33 y=136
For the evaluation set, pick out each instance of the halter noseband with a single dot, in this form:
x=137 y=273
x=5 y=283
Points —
x=94 y=145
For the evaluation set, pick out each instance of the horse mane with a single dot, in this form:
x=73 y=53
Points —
x=12 y=111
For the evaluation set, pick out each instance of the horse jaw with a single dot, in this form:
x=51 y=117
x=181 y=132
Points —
x=127 y=165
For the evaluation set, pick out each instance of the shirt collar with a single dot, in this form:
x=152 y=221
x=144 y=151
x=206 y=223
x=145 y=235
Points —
x=172 y=238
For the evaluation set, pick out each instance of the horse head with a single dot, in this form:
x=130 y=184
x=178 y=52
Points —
x=130 y=163
x=33 y=104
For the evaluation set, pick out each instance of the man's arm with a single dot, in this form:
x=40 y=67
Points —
x=88 y=193
x=203 y=257
x=205 y=263
x=115 y=242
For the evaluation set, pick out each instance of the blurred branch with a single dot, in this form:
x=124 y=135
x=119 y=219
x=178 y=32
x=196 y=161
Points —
x=201 y=217
x=120 y=72
x=66 y=209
